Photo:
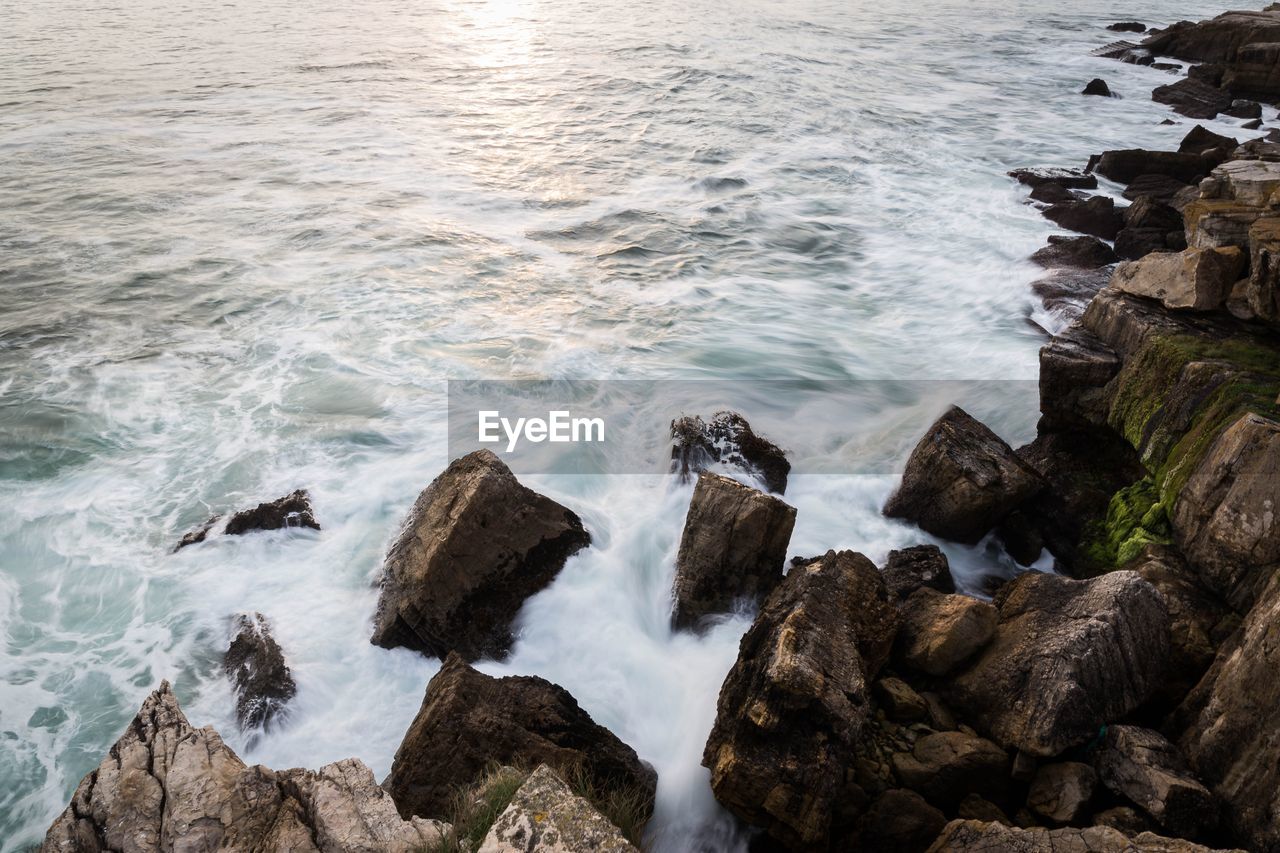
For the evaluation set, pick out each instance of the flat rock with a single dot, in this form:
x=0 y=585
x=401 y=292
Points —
x=1218 y=39
x=1082 y=252
x=796 y=700
x=1096 y=215
x=168 y=786
x=259 y=675
x=1194 y=279
x=909 y=569
x=961 y=480
x=733 y=549
x=469 y=720
x=1069 y=656
x=1069 y=178
x=477 y=544
x=1142 y=766
x=939 y=632
x=1061 y=793
x=1161 y=188
x=1124 y=165
x=545 y=816
x=1193 y=98
x=727 y=439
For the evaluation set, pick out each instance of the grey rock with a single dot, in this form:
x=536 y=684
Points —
x=545 y=816
x=1142 y=766
x=261 y=679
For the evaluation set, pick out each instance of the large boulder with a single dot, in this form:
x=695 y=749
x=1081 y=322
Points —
x=1149 y=226
x=1224 y=518
x=1142 y=766
x=1213 y=223
x=1061 y=793
x=1200 y=139
x=545 y=816
x=1233 y=719
x=898 y=820
x=1194 y=279
x=477 y=544
x=945 y=767
x=1193 y=98
x=1125 y=165
x=1218 y=39
x=795 y=702
x=727 y=439
x=259 y=675
x=1096 y=215
x=1068 y=657
x=973 y=836
x=1262 y=291
x=961 y=480
x=909 y=569
x=1255 y=71
x=734 y=548
x=1161 y=188
x=1250 y=182
x=469 y=720
x=939 y=632
x=166 y=785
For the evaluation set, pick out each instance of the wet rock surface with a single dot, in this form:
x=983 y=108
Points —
x=909 y=569
x=727 y=438
x=1081 y=252
x=477 y=544
x=259 y=675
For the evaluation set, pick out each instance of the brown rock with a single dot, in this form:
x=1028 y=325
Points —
x=476 y=545
x=939 y=632
x=1061 y=793
x=1069 y=178
x=1196 y=279
x=974 y=807
x=727 y=438
x=733 y=548
x=971 y=836
x=947 y=766
x=1096 y=215
x=1262 y=291
x=919 y=566
x=1144 y=767
x=1193 y=98
x=900 y=701
x=292 y=510
x=1082 y=252
x=899 y=820
x=1125 y=165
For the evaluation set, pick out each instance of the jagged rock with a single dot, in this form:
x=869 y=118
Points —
x=1149 y=227
x=477 y=544
x=201 y=533
x=468 y=720
x=1217 y=40
x=939 y=632
x=900 y=701
x=1224 y=518
x=1213 y=223
x=909 y=569
x=1069 y=178
x=259 y=676
x=1061 y=793
x=168 y=786
x=1147 y=769
x=1200 y=140
x=292 y=510
x=1127 y=164
x=734 y=548
x=1097 y=86
x=898 y=820
x=545 y=816
x=1244 y=108
x=1096 y=215
x=727 y=439
x=795 y=702
x=944 y=767
x=1082 y=252
x=1262 y=292
x=1069 y=656
x=961 y=480
x=1233 y=717
x=1161 y=188
x=1207 y=72
x=971 y=836
x=1196 y=279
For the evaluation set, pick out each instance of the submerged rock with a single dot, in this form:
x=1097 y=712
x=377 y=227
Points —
x=168 y=786
x=734 y=548
x=1142 y=766
x=796 y=700
x=727 y=438
x=909 y=569
x=259 y=675
x=961 y=480
x=292 y=510
x=477 y=544
x=1068 y=657
x=469 y=720
x=1195 y=279
x=545 y=816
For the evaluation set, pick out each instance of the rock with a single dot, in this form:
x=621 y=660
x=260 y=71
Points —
x=1061 y=793
x=1069 y=178
x=899 y=701
x=1068 y=657
x=1217 y=40
x=1127 y=164
x=1127 y=820
x=1146 y=212
x=1096 y=215
x=1161 y=188
x=727 y=439
x=1097 y=86
x=1253 y=124
x=795 y=702
x=1171 y=67
x=469 y=720
x=259 y=676
x=477 y=544
x=939 y=632
x=1218 y=223
x=1082 y=252
x=1233 y=716
x=168 y=786
x=1208 y=72
x=909 y=569
x=1200 y=140
x=545 y=816
x=1196 y=279
x=946 y=766
x=1127 y=27
x=201 y=533
x=1149 y=227
x=1254 y=73
x=1244 y=109
x=974 y=807
x=1193 y=98
x=1066 y=292
x=1252 y=183
x=1224 y=518
x=899 y=820
x=971 y=836
x=961 y=480
x=1142 y=766
x=733 y=549
x=1051 y=193
x=292 y=510
x=1262 y=292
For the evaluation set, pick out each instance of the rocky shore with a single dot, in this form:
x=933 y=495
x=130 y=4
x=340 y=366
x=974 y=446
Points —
x=1127 y=701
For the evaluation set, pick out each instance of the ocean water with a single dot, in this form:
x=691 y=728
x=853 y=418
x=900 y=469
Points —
x=243 y=246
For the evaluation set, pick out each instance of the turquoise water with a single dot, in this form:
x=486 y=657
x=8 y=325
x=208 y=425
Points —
x=243 y=245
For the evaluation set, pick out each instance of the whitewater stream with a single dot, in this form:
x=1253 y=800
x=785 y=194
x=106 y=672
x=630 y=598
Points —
x=243 y=245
